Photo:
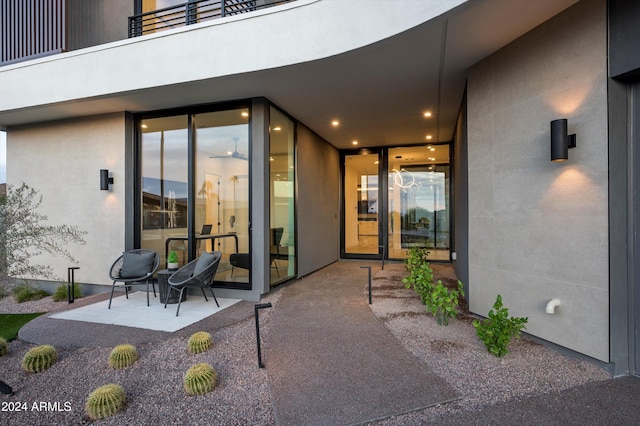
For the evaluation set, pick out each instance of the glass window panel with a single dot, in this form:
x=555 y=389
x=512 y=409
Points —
x=282 y=201
x=164 y=148
x=419 y=200
x=222 y=189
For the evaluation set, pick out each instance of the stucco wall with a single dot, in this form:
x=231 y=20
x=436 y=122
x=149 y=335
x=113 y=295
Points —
x=539 y=230
x=318 y=202
x=62 y=161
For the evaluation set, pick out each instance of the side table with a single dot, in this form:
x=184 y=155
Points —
x=163 y=284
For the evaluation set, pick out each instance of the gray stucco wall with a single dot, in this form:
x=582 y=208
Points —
x=539 y=230
x=318 y=202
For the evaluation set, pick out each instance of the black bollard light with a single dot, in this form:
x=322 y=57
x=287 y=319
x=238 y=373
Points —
x=71 y=281
x=257 y=308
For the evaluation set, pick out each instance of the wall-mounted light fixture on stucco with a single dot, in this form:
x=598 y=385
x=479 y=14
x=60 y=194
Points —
x=105 y=180
x=561 y=141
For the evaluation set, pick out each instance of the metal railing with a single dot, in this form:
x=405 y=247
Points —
x=30 y=29
x=193 y=12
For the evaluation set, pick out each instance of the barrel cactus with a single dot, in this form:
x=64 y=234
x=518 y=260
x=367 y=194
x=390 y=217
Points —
x=39 y=358
x=123 y=356
x=200 y=379
x=4 y=346
x=200 y=342
x=105 y=401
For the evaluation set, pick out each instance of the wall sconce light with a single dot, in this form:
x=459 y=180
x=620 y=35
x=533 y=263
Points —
x=105 y=180
x=561 y=141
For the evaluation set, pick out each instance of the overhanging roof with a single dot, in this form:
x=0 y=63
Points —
x=378 y=92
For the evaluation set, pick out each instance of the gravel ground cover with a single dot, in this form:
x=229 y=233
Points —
x=154 y=383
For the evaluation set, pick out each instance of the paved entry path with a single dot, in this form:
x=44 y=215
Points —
x=331 y=362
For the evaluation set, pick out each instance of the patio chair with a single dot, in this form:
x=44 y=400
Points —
x=197 y=273
x=134 y=267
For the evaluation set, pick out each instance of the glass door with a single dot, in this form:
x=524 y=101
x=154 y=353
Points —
x=361 y=204
x=419 y=208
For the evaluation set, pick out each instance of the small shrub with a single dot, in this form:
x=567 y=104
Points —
x=123 y=356
x=497 y=330
x=443 y=302
x=25 y=293
x=4 y=347
x=200 y=342
x=105 y=401
x=62 y=293
x=39 y=358
x=420 y=276
x=200 y=379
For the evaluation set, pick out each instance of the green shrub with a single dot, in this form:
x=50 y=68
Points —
x=443 y=302
x=62 y=292
x=105 y=401
x=39 y=358
x=497 y=330
x=26 y=293
x=420 y=276
x=200 y=342
x=200 y=379
x=123 y=356
x=4 y=347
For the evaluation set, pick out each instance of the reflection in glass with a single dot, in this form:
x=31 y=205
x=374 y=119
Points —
x=222 y=188
x=282 y=201
x=361 y=204
x=164 y=183
x=419 y=200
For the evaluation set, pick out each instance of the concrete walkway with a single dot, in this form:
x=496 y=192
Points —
x=330 y=361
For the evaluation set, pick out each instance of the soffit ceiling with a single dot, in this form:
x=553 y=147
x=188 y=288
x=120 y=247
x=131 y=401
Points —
x=378 y=93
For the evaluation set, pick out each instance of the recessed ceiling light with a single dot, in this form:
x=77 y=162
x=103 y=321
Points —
x=432 y=159
x=277 y=128
x=431 y=148
x=429 y=136
x=427 y=114
x=376 y=162
x=270 y=158
x=355 y=142
x=335 y=123
x=244 y=114
x=229 y=153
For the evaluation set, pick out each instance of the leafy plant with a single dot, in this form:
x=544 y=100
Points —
x=497 y=331
x=420 y=276
x=62 y=293
x=443 y=302
x=4 y=346
x=200 y=342
x=123 y=356
x=25 y=293
x=39 y=358
x=173 y=257
x=26 y=235
x=105 y=401
x=200 y=379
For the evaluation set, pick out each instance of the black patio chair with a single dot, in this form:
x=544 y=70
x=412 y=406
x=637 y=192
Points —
x=134 y=267
x=197 y=273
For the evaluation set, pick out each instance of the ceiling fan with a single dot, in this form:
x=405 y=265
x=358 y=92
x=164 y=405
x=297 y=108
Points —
x=234 y=154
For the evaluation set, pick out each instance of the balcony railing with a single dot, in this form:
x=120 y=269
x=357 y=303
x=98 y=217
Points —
x=193 y=12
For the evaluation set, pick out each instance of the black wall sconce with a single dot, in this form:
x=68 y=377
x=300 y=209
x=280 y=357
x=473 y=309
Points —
x=561 y=141
x=105 y=180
